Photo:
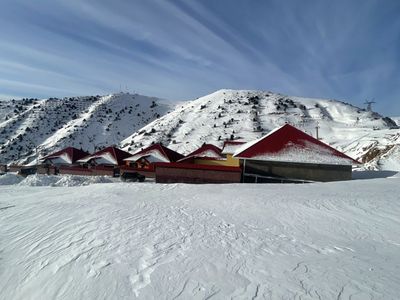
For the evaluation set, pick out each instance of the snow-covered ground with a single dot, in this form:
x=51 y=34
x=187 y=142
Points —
x=153 y=241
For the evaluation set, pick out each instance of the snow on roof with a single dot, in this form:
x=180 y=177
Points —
x=290 y=144
x=230 y=147
x=61 y=159
x=311 y=154
x=251 y=143
x=206 y=150
x=109 y=155
x=68 y=155
x=152 y=156
x=158 y=152
x=103 y=158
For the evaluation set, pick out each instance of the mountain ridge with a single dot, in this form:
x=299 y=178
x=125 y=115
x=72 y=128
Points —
x=248 y=115
x=136 y=121
x=32 y=127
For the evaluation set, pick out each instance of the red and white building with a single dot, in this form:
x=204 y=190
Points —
x=68 y=156
x=289 y=154
x=110 y=156
x=145 y=160
x=205 y=152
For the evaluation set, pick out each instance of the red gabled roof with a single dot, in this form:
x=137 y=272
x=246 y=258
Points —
x=169 y=154
x=118 y=154
x=206 y=150
x=285 y=139
x=73 y=153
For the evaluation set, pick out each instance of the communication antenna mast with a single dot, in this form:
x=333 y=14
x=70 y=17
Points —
x=369 y=104
x=317 y=127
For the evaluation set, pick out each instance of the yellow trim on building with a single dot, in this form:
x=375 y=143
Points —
x=230 y=161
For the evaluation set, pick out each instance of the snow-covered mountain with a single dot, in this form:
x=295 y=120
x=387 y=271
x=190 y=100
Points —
x=32 y=127
x=396 y=119
x=248 y=115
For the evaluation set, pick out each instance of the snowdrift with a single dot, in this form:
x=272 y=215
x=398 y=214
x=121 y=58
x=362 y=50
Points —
x=52 y=180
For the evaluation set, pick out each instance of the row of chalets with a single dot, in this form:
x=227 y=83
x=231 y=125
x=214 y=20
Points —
x=286 y=154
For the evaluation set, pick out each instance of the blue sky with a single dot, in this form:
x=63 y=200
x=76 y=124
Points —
x=184 y=49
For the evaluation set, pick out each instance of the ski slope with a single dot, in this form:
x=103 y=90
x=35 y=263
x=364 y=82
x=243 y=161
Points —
x=152 y=241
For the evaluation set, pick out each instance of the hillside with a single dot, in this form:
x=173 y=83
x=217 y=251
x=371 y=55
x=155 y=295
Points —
x=248 y=115
x=32 y=127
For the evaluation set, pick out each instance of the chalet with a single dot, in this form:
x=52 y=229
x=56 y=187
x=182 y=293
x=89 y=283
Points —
x=69 y=156
x=110 y=156
x=204 y=165
x=144 y=161
x=103 y=162
x=207 y=154
x=287 y=154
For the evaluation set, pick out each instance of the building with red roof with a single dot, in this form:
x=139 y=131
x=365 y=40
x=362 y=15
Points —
x=288 y=153
x=204 y=165
x=67 y=156
x=207 y=152
x=144 y=161
x=110 y=156
x=154 y=153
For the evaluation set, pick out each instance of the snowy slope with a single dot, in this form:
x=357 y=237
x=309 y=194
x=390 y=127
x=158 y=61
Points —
x=31 y=127
x=396 y=119
x=34 y=127
x=248 y=115
x=152 y=241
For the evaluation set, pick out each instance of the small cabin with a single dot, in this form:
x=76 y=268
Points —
x=110 y=156
x=207 y=154
x=144 y=161
x=67 y=157
x=104 y=162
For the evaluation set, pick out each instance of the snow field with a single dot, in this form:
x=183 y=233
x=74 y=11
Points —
x=126 y=241
x=52 y=180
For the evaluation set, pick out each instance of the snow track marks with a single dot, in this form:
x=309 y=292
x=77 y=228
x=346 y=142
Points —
x=147 y=241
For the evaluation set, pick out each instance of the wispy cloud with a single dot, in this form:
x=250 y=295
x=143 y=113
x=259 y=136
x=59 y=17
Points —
x=183 y=49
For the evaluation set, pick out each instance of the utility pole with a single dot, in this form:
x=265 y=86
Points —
x=317 y=127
